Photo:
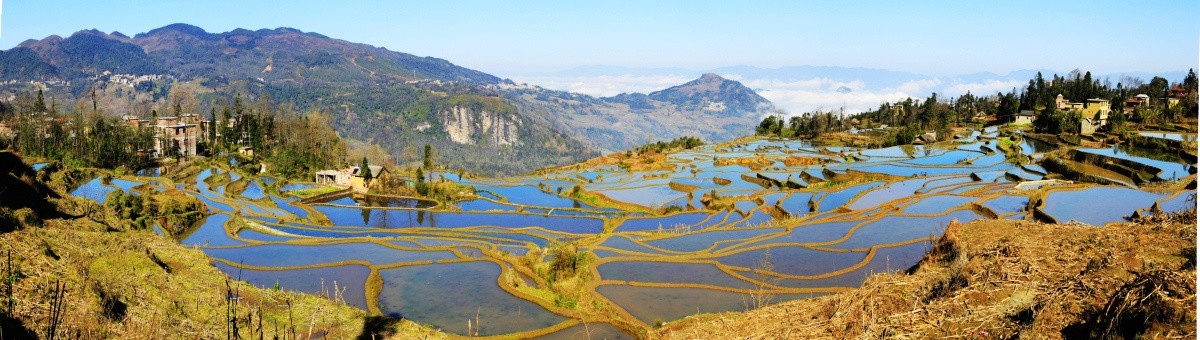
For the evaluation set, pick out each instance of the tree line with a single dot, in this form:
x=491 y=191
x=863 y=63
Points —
x=81 y=137
x=939 y=114
x=294 y=144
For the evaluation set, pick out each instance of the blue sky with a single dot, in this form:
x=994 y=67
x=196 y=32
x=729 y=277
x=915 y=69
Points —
x=512 y=38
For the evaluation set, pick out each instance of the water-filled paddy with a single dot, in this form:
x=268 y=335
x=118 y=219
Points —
x=655 y=196
x=297 y=186
x=393 y=218
x=93 y=190
x=1168 y=170
x=936 y=205
x=669 y=272
x=449 y=294
x=288 y=255
x=888 y=202
x=1006 y=204
x=900 y=229
x=837 y=199
x=1099 y=205
x=253 y=191
x=1183 y=137
x=650 y=304
x=350 y=280
x=668 y=222
x=886 y=194
x=531 y=195
x=705 y=240
x=1182 y=201
x=886 y=259
x=211 y=232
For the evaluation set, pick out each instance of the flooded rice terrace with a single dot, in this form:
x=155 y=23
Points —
x=744 y=225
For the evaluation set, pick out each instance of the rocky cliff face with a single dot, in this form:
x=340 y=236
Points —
x=469 y=126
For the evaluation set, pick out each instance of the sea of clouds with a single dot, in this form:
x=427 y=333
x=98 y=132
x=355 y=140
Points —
x=794 y=96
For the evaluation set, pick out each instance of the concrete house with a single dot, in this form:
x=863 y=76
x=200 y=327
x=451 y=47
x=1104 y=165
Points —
x=358 y=182
x=173 y=133
x=1061 y=102
x=1141 y=100
x=350 y=177
x=1094 y=115
x=1024 y=117
x=333 y=177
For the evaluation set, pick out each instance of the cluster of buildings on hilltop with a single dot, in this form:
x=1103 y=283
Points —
x=130 y=79
x=1142 y=100
x=1094 y=113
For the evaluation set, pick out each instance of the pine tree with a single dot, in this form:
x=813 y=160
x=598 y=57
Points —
x=365 y=169
x=428 y=163
x=212 y=126
x=1190 y=81
x=40 y=104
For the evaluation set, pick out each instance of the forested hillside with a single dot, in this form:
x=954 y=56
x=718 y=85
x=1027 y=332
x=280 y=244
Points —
x=372 y=96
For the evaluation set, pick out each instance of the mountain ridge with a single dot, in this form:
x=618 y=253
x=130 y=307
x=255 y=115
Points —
x=710 y=107
x=711 y=90
x=391 y=99
x=187 y=50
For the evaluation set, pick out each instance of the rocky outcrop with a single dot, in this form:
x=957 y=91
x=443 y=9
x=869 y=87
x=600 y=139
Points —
x=468 y=126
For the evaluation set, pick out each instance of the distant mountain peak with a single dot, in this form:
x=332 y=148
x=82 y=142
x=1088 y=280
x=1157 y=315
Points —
x=177 y=27
x=712 y=92
x=91 y=31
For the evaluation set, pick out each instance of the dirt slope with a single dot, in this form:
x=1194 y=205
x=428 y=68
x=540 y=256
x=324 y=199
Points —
x=1003 y=279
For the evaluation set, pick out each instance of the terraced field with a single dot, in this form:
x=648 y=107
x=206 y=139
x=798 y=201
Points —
x=747 y=226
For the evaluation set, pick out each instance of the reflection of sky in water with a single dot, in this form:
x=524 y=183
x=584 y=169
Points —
x=444 y=293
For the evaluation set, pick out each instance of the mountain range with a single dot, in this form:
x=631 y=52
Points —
x=798 y=89
x=186 y=51
x=395 y=100
x=872 y=78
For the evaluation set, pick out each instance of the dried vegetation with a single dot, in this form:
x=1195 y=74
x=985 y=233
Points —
x=1003 y=279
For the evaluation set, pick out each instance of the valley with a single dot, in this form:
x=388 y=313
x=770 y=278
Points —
x=628 y=243
x=598 y=170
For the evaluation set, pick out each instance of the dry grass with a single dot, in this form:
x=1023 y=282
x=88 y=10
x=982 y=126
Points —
x=753 y=163
x=133 y=284
x=797 y=160
x=1003 y=279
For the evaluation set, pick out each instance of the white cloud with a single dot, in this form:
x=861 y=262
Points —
x=796 y=102
x=809 y=84
x=982 y=89
x=797 y=97
x=919 y=86
x=794 y=97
